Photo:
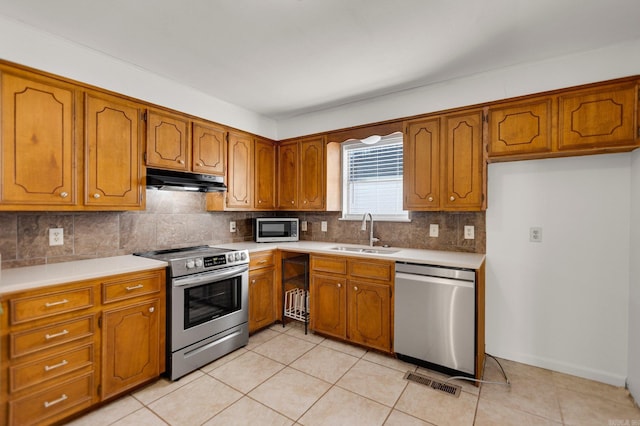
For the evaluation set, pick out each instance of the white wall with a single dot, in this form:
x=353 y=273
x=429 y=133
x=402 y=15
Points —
x=562 y=303
x=634 y=286
x=603 y=64
x=25 y=45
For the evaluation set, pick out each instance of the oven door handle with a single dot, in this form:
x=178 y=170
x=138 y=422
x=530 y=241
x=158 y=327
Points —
x=209 y=277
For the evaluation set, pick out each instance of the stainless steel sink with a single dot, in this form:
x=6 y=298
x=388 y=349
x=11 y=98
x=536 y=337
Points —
x=365 y=250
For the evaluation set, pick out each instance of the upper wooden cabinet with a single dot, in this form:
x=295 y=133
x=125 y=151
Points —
x=113 y=143
x=520 y=128
x=264 y=174
x=168 y=141
x=240 y=176
x=421 y=153
x=463 y=174
x=444 y=165
x=44 y=164
x=302 y=174
x=600 y=117
x=39 y=146
x=592 y=119
x=209 y=148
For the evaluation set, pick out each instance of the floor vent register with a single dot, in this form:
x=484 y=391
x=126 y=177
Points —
x=453 y=390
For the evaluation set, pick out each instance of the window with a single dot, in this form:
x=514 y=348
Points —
x=372 y=179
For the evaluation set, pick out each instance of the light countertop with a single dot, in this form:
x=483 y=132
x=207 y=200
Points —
x=398 y=254
x=28 y=277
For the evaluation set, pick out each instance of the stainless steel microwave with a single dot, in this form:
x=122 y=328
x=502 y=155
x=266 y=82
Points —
x=275 y=229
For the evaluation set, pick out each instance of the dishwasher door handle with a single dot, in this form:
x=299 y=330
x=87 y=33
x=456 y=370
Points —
x=432 y=280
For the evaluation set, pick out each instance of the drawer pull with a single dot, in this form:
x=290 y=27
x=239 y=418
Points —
x=61 y=302
x=135 y=287
x=48 y=404
x=53 y=336
x=262 y=261
x=53 y=367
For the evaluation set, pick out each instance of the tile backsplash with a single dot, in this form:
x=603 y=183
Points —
x=178 y=219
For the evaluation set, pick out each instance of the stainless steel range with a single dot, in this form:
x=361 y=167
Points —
x=207 y=305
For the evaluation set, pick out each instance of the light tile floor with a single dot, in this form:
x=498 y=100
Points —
x=284 y=377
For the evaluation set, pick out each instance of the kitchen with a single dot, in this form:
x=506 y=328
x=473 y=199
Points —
x=590 y=351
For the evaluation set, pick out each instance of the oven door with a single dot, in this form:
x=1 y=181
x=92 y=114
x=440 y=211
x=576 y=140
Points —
x=206 y=304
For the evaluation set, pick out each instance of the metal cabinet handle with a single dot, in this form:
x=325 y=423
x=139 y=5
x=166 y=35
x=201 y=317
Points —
x=200 y=163
x=61 y=302
x=53 y=367
x=430 y=199
x=64 y=194
x=355 y=288
x=135 y=287
x=291 y=201
x=262 y=261
x=452 y=198
x=181 y=161
x=96 y=195
x=253 y=281
x=339 y=285
x=259 y=201
x=48 y=404
x=53 y=336
x=152 y=309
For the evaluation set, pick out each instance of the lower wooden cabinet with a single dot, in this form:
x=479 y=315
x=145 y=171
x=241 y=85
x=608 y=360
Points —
x=262 y=291
x=130 y=343
x=64 y=349
x=356 y=305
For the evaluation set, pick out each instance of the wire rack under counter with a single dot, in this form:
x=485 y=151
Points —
x=296 y=304
x=295 y=288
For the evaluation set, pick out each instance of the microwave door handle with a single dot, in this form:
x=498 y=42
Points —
x=218 y=276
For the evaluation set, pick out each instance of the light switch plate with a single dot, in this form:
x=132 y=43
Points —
x=535 y=234
x=303 y=226
x=56 y=236
x=434 y=230
x=469 y=232
x=232 y=226
x=323 y=226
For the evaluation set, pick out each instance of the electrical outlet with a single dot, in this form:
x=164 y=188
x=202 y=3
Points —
x=232 y=226
x=535 y=234
x=303 y=226
x=469 y=232
x=323 y=226
x=434 y=230
x=56 y=236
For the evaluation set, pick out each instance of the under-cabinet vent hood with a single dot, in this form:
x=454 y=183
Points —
x=172 y=180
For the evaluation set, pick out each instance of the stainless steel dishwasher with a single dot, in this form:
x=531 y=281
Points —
x=435 y=317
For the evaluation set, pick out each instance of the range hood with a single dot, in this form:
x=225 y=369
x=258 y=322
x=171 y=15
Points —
x=171 y=180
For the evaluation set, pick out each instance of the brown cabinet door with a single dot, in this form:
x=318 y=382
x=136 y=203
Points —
x=240 y=176
x=113 y=162
x=262 y=308
x=463 y=162
x=265 y=174
x=370 y=314
x=168 y=141
x=288 y=176
x=421 y=182
x=209 y=149
x=38 y=141
x=520 y=128
x=606 y=116
x=328 y=305
x=130 y=346
x=311 y=174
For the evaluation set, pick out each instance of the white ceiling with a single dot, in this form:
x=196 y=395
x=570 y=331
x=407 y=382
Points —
x=281 y=58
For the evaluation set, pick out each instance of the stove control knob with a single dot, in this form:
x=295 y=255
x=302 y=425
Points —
x=243 y=256
x=199 y=262
x=190 y=264
x=230 y=257
x=237 y=255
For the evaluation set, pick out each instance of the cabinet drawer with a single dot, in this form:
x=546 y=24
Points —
x=32 y=373
x=25 y=309
x=333 y=265
x=371 y=270
x=26 y=342
x=68 y=397
x=261 y=260
x=131 y=286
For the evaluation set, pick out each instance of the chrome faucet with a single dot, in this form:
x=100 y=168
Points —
x=372 y=239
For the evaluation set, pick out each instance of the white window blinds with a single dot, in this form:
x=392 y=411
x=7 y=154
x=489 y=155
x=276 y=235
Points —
x=372 y=180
